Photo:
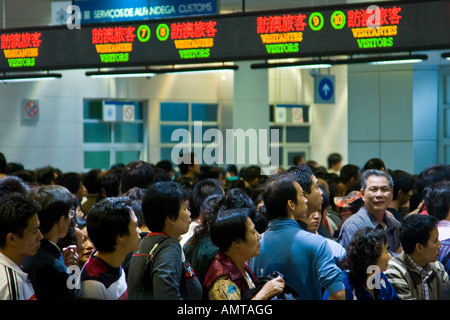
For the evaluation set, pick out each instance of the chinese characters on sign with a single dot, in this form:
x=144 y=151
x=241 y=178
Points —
x=281 y=34
x=21 y=49
x=193 y=39
x=386 y=21
x=113 y=44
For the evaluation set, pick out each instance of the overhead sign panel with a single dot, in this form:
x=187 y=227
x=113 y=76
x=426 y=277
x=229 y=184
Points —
x=133 y=10
x=348 y=29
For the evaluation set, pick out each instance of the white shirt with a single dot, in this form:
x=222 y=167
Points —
x=14 y=283
x=444 y=229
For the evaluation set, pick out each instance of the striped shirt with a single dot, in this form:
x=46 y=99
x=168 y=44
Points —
x=414 y=283
x=14 y=283
x=425 y=273
x=100 y=281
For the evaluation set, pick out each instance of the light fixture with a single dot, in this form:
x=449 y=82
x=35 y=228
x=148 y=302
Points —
x=127 y=73
x=446 y=55
x=311 y=64
x=26 y=77
x=197 y=69
x=385 y=60
x=131 y=73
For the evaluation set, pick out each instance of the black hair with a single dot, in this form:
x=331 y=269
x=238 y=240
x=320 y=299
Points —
x=183 y=165
x=251 y=173
x=349 y=171
x=326 y=199
x=70 y=180
x=160 y=201
x=9 y=184
x=374 y=163
x=135 y=196
x=364 y=249
x=110 y=182
x=56 y=201
x=303 y=175
x=136 y=174
x=202 y=190
x=402 y=181
x=437 y=199
x=91 y=181
x=333 y=158
x=3 y=163
x=15 y=211
x=229 y=226
x=277 y=192
x=430 y=175
x=45 y=175
x=161 y=175
x=166 y=165
x=232 y=168
x=12 y=167
x=108 y=219
x=235 y=198
x=208 y=213
x=297 y=159
x=416 y=228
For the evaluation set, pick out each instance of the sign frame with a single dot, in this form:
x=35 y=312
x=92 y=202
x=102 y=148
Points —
x=232 y=37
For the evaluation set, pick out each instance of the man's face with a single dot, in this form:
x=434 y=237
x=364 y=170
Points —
x=301 y=206
x=315 y=197
x=377 y=195
x=29 y=244
x=431 y=251
x=133 y=239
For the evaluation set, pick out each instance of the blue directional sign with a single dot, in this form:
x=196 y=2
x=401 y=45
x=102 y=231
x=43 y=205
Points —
x=324 y=88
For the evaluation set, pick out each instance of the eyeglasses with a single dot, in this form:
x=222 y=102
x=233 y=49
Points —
x=72 y=213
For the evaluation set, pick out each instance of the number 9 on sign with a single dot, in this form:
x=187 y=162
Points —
x=316 y=21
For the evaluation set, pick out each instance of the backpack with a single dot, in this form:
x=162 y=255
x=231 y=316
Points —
x=145 y=291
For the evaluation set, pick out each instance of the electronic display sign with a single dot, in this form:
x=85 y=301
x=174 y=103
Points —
x=316 y=31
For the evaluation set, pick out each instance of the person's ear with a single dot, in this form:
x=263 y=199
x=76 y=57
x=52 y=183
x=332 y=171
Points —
x=119 y=240
x=11 y=238
x=169 y=221
x=237 y=242
x=291 y=205
x=61 y=221
x=419 y=247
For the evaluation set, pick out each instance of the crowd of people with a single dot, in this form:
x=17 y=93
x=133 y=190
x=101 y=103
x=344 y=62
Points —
x=142 y=231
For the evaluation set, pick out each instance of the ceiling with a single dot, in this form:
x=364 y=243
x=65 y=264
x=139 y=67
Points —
x=30 y=13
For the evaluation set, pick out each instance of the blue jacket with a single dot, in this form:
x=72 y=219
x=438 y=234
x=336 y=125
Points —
x=352 y=292
x=305 y=259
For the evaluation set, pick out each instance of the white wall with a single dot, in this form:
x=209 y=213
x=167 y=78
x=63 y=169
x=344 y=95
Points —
x=329 y=121
x=393 y=115
x=56 y=138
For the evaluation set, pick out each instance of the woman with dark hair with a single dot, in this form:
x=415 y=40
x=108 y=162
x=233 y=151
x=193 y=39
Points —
x=363 y=266
x=229 y=275
x=159 y=270
x=199 y=249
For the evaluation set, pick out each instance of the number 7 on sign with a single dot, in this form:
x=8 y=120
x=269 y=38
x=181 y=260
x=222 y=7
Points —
x=143 y=33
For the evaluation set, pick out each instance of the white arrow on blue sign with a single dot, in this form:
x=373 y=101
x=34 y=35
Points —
x=324 y=89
